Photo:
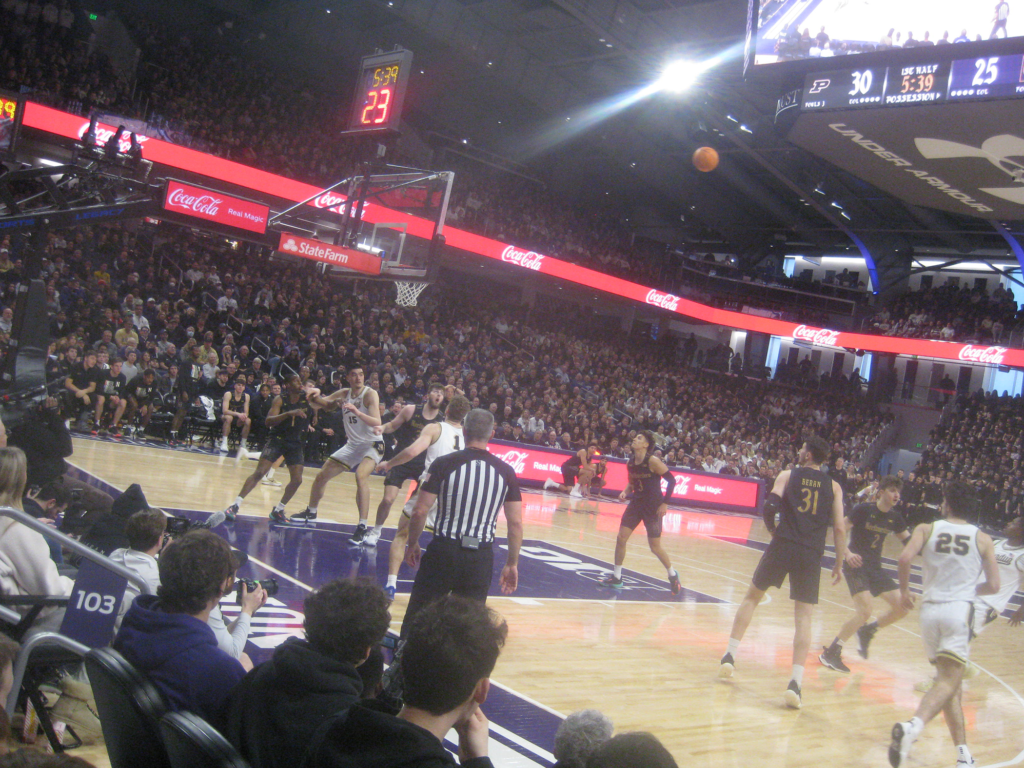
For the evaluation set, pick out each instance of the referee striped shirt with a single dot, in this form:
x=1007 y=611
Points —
x=471 y=486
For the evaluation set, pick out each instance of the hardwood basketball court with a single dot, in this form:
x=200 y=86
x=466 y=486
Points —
x=647 y=659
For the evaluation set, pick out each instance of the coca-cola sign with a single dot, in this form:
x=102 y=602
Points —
x=535 y=465
x=663 y=300
x=215 y=206
x=824 y=336
x=990 y=355
x=349 y=258
x=525 y=259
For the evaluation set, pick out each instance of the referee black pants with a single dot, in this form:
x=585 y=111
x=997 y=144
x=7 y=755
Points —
x=448 y=568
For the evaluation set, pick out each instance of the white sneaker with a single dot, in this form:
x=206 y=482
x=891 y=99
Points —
x=903 y=736
x=223 y=445
x=371 y=538
x=966 y=763
x=270 y=481
x=575 y=493
x=550 y=485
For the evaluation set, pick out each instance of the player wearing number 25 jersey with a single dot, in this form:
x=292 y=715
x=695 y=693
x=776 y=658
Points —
x=807 y=501
x=955 y=555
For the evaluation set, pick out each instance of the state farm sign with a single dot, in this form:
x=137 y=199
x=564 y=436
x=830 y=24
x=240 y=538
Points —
x=991 y=355
x=217 y=207
x=823 y=336
x=525 y=259
x=536 y=465
x=349 y=258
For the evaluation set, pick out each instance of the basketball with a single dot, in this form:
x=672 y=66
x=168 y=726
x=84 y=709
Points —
x=705 y=159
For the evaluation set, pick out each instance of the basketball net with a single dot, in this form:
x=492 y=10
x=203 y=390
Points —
x=409 y=292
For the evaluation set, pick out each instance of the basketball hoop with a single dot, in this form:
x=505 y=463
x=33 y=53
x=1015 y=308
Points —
x=409 y=291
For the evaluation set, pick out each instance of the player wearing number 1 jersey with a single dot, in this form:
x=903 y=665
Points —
x=807 y=501
x=955 y=555
x=435 y=440
x=869 y=525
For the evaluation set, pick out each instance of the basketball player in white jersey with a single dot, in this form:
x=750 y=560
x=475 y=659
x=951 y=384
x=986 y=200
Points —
x=956 y=555
x=1010 y=557
x=361 y=451
x=437 y=439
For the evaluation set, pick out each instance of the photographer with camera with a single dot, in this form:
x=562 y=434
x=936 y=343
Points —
x=166 y=636
x=276 y=709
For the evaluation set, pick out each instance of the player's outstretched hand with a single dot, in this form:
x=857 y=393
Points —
x=837 y=573
x=907 y=600
x=854 y=560
x=622 y=496
x=473 y=736
x=383 y=467
x=1017 y=617
x=378 y=430
x=509 y=579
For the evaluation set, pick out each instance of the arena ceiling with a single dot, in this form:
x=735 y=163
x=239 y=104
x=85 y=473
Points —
x=540 y=82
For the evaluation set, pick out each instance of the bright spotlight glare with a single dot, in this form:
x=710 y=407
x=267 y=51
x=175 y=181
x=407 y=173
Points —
x=679 y=75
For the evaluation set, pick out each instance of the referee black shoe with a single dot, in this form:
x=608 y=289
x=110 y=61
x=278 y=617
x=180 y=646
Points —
x=359 y=535
x=832 y=657
x=864 y=636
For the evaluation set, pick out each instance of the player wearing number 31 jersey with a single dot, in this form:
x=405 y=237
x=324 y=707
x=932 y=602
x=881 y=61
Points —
x=436 y=440
x=807 y=501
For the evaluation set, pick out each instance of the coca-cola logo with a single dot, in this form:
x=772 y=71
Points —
x=663 y=300
x=682 y=486
x=206 y=204
x=521 y=258
x=517 y=459
x=991 y=355
x=816 y=335
x=105 y=133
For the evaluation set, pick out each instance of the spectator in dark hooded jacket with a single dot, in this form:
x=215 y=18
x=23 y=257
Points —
x=276 y=709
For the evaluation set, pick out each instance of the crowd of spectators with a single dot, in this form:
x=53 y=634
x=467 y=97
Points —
x=981 y=443
x=951 y=313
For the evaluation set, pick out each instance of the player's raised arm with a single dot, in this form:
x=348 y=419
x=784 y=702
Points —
x=426 y=438
x=838 y=532
x=372 y=404
x=403 y=416
x=274 y=415
x=910 y=551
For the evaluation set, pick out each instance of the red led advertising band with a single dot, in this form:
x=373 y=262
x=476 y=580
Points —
x=539 y=464
x=215 y=206
x=329 y=254
x=171 y=155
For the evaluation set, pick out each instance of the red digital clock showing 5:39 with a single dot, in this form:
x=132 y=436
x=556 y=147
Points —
x=380 y=91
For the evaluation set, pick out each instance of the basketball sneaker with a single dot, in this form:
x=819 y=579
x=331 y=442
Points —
x=390 y=592
x=305 y=516
x=792 y=695
x=359 y=535
x=231 y=513
x=278 y=516
x=271 y=481
x=673 y=582
x=550 y=485
x=611 y=581
x=903 y=735
x=575 y=493
x=371 y=538
x=966 y=763
x=832 y=657
x=727 y=667
x=864 y=636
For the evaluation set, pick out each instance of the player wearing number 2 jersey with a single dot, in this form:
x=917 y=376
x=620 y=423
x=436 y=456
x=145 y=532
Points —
x=869 y=525
x=807 y=501
x=436 y=440
x=955 y=555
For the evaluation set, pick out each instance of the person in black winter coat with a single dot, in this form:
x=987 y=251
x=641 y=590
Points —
x=276 y=709
x=449 y=654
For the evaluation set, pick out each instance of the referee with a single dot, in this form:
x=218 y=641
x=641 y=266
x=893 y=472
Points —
x=470 y=487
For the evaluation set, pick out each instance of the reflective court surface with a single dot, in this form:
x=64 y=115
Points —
x=646 y=658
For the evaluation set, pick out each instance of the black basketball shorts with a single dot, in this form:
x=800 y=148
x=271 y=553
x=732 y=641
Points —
x=411 y=470
x=276 y=448
x=787 y=558
x=643 y=511
x=868 y=578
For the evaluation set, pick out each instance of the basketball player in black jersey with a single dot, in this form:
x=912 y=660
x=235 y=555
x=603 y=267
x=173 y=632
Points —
x=288 y=420
x=869 y=524
x=648 y=505
x=807 y=501
x=577 y=471
x=235 y=410
x=406 y=427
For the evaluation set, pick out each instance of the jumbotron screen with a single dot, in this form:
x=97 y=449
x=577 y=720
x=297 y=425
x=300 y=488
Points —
x=800 y=30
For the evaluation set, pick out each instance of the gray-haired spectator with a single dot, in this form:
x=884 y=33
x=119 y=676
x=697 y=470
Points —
x=579 y=735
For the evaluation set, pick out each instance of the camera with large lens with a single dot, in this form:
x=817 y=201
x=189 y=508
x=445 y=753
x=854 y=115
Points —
x=252 y=584
x=178 y=526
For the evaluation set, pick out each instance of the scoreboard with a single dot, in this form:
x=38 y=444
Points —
x=983 y=77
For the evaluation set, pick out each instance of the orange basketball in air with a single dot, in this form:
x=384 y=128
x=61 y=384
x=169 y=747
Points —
x=705 y=159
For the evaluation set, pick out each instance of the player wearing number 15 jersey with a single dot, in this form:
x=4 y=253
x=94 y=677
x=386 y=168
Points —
x=435 y=440
x=807 y=501
x=869 y=525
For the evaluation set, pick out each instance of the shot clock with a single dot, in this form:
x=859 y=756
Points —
x=380 y=92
